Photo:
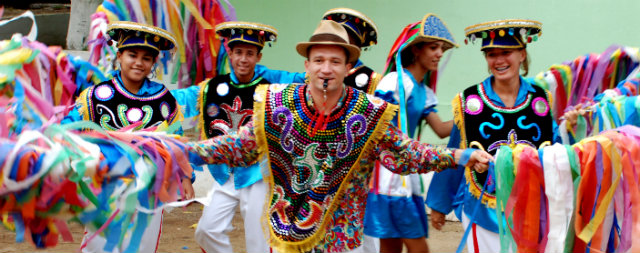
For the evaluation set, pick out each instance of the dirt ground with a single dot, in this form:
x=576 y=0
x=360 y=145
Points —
x=177 y=235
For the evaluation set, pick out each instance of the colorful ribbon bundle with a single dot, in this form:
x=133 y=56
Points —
x=94 y=177
x=589 y=191
x=53 y=174
x=38 y=84
x=580 y=80
x=200 y=55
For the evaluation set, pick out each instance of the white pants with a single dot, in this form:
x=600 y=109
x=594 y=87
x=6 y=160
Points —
x=487 y=241
x=215 y=222
x=149 y=243
x=370 y=244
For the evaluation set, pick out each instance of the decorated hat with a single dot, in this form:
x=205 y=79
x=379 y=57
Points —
x=246 y=32
x=131 y=34
x=509 y=33
x=329 y=33
x=356 y=23
x=432 y=28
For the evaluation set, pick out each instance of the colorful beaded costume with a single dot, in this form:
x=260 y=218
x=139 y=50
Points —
x=325 y=163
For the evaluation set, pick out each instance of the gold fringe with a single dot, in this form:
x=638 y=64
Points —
x=200 y=127
x=263 y=149
x=312 y=241
x=458 y=118
x=475 y=191
x=375 y=79
x=83 y=101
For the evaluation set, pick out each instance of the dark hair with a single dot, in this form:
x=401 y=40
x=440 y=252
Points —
x=234 y=43
x=154 y=52
x=407 y=55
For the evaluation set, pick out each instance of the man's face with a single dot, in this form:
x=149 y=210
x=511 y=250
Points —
x=244 y=58
x=327 y=62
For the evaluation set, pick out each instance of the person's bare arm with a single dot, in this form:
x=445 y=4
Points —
x=442 y=129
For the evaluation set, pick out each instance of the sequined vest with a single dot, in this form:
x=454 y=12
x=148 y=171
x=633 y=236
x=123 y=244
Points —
x=113 y=107
x=363 y=78
x=308 y=173
x=225 y=105
x=488 y=126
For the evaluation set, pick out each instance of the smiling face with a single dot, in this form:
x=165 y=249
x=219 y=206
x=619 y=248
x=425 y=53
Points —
x=504 y=63
x=327 y=62
x=428 y=55
x=135 y=64
x=244 y=58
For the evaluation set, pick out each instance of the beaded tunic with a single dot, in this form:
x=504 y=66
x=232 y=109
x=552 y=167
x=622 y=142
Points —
x=318 y=184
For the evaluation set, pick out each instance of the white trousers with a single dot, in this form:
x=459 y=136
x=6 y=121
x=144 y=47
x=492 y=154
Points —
x=488 y=241
x=216 y=219
x=149 y=243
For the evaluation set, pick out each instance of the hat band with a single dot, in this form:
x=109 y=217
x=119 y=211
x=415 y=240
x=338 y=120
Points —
x=327 y=37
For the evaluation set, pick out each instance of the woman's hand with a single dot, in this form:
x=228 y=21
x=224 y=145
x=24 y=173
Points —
x=437 y=219
x=572 y=116
x=188 y=193
x=473 y=158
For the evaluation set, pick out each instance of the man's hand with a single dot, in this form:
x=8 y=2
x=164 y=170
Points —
x=437 y=219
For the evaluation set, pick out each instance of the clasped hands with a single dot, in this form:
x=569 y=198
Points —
x=473 y=158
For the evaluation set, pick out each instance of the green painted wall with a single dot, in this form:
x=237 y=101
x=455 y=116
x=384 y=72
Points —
x=570 y=28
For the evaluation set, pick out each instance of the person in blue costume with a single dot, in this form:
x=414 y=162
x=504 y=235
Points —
x=504 y=109
x=395 y=210
x=225 y=103
x=363 y=33
x=128 y=100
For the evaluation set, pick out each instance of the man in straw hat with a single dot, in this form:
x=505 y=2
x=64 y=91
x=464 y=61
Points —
x=224 y=103
x=317 y=143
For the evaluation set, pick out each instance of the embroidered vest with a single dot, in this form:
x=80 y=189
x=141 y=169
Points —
x=363 y=78
x=488 y=126
x=113 y=107
x=225 y=106
x=309 y=173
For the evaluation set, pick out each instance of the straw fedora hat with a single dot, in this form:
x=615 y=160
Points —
x=329 y=33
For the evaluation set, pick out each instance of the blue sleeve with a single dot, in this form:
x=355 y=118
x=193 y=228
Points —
x=388 y=96
x=444 y=185
x=188 y=99
x=556 y=133
x=73 y=116
x=426 y=112
x=281 y=76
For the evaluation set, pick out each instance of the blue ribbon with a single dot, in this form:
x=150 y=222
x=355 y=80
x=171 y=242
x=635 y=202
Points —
x=487 y=182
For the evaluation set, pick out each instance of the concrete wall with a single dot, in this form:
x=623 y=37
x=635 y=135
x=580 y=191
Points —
x=570 y=28
x=52 y=28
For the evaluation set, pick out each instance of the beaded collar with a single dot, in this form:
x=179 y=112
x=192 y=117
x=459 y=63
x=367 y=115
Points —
x=311 y=105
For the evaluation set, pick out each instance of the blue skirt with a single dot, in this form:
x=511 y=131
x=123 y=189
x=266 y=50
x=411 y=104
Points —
x=395 y=217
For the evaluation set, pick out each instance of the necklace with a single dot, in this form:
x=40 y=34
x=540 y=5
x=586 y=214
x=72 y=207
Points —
x=319 y=120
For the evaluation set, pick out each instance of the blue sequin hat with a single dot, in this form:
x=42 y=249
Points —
x=246 y=32
x=508 y=33
x=131 y=34
x=431 y=29
x=356 y=23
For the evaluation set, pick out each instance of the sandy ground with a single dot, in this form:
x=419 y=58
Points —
x=178 y=229
x=177 y=235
